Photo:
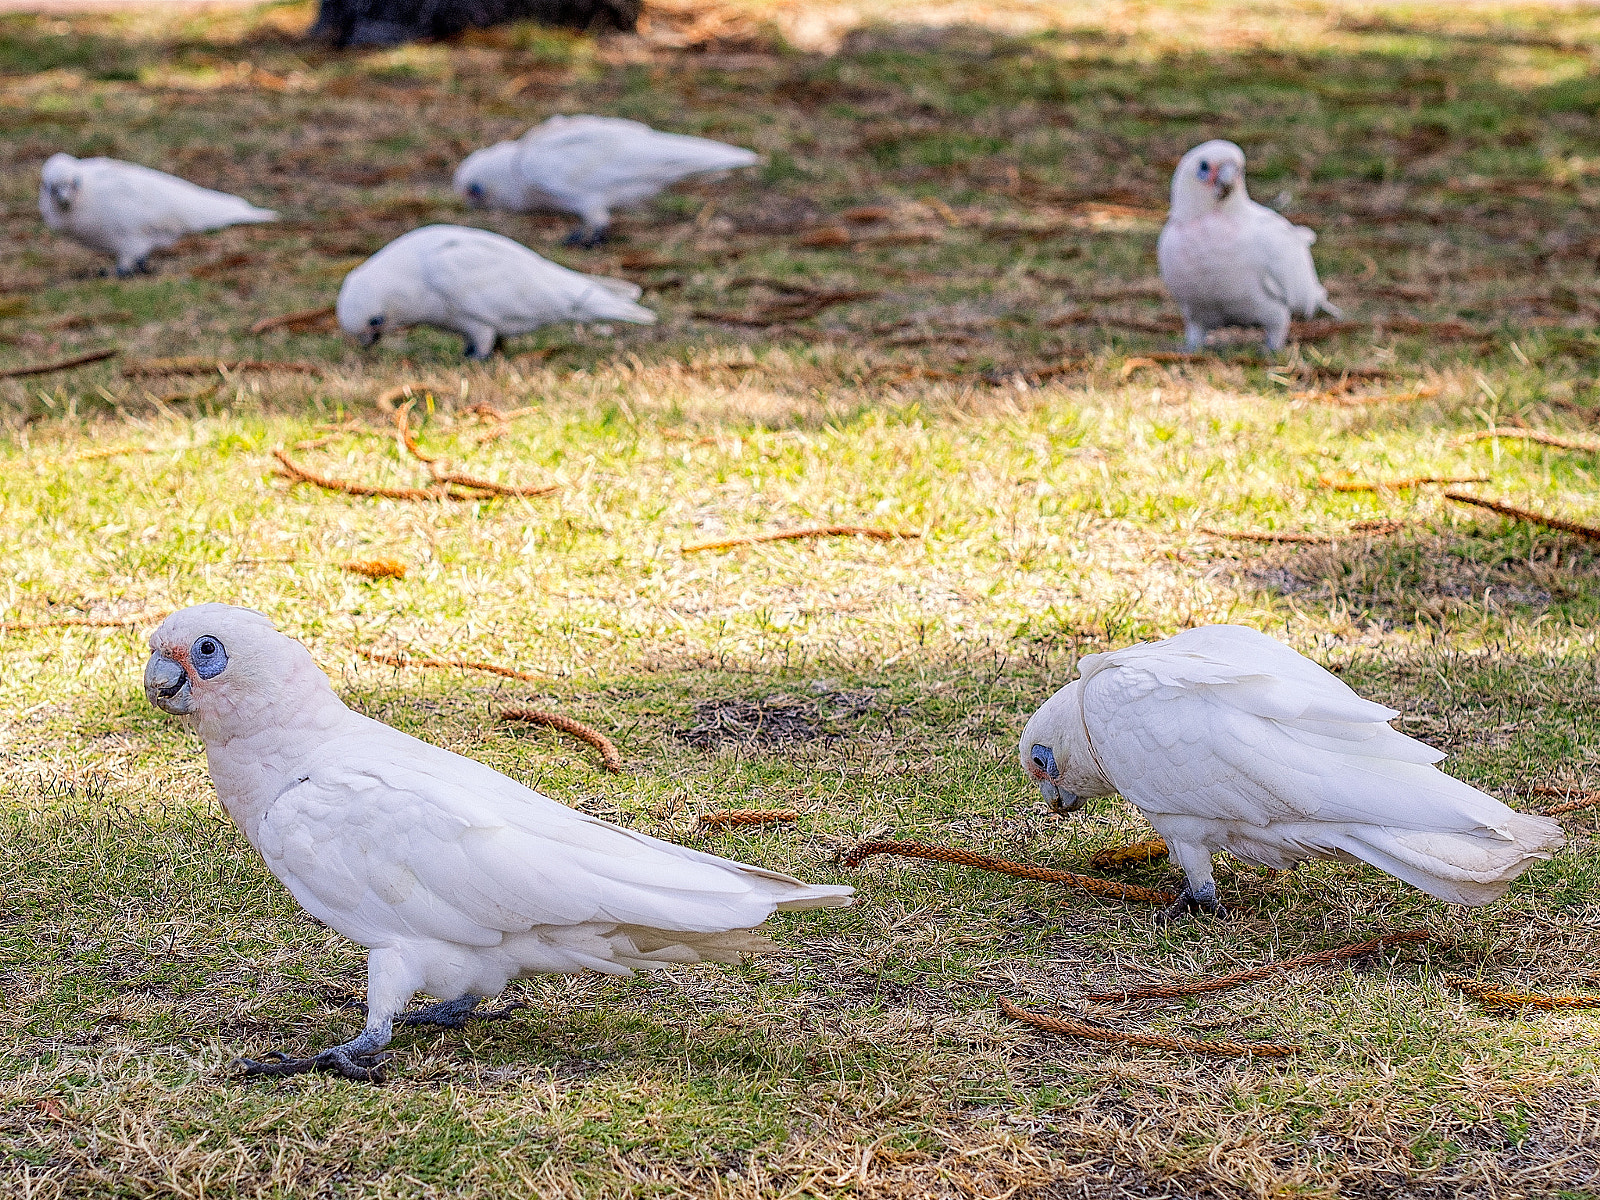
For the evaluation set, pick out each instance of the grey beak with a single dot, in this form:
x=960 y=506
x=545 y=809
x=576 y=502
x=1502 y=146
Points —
x=1059 y=800
x=166 y=685
x=1227 y=176
x=368 y=339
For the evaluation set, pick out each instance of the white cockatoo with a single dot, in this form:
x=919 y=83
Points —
x=1227 y=739
x=587 y=166
x=1230 y=261
x=126 y=210
x=477 y=283
x=455 y=877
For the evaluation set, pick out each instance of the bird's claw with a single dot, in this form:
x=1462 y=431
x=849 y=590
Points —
x=364 y=1068
x=585 y=239
x=1192 y=901
x=454 y=1014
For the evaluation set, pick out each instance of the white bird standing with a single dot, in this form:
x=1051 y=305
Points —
x=477 y=283
x=127 y=211
x=455 y=877
x=587 y=166
x=1230 y=261
x=1226 y=739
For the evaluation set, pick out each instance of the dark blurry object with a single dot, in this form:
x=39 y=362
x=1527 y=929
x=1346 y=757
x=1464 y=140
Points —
x=390 y=22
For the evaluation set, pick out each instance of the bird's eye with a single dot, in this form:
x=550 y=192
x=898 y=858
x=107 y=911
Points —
x=475 y=189
x=1044 y=759
x=208 y=657
x=1205 y=168
x=375 y=321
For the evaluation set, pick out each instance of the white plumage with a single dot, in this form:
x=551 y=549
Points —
x=587 y=166
x=455 y=877
x=127 y=211
x=1226 y=739
x=477 y=283
x=1230 y=261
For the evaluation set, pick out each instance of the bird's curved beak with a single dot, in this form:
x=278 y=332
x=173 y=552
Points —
x=1226 y=175
x=166 y=685
x=1058 y=799
x=63 y=193
x=369 y=338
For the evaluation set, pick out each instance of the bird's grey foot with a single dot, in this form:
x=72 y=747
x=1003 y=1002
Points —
x=359 y=1060
x=1194 y=338
x=474 y=352
x=586 y=238
x=1193 y=900
x=454 y=1014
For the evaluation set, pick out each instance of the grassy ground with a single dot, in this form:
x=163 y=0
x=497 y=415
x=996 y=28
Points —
x=1005 y=394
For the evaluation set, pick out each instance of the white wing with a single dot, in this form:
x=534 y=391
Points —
x=1228 y=724
x=155 y=201
x=1287 y=271
x=387 y=837
x=494 y=280
x=584 y=162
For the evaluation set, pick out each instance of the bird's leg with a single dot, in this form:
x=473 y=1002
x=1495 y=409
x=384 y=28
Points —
x=1195 y=899
x=480 y=341
x=391 y=982
x=1194 y=337
x=589 y=234
x=454 y=1014
x=1199 y=888
x=1278 y=334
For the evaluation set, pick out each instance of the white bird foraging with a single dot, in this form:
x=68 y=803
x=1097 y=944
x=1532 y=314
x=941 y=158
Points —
x=1226 y=739
x=455 y=877
x=1230 y=261
x=587 y=166
x=477 y=283
x=127 y=211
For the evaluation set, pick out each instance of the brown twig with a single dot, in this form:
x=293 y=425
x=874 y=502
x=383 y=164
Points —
x=1492 y=995
x=83 y=622
x=1099 y=1033
x=1522 y=514
x=1586 y=800
x=144 y=367
x=377 y=568
x=1395 y=485
x=61 y=364
x=539 y=716
x=446 y=664
x=408 y=443
x=1118 y=857
x=1341 y=396
x=299 y=474
x=296 y=322
x=804 y=304
x=785 y=535
x=1526 y=435
x=1358 y=528
x=749 y=816
x=110 y=452
x=1081 y=883
x=1224 y=982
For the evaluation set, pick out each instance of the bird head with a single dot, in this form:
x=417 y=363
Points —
x=224 y=666
x=59 y=182
x=487 y=178
x=364 y=305
x=1056 y=755
x=1209 y=175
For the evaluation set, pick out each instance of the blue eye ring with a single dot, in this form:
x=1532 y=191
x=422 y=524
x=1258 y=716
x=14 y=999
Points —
x=375 y=321
x=1045 y=759
x=208 y=657
x=1205 y=167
